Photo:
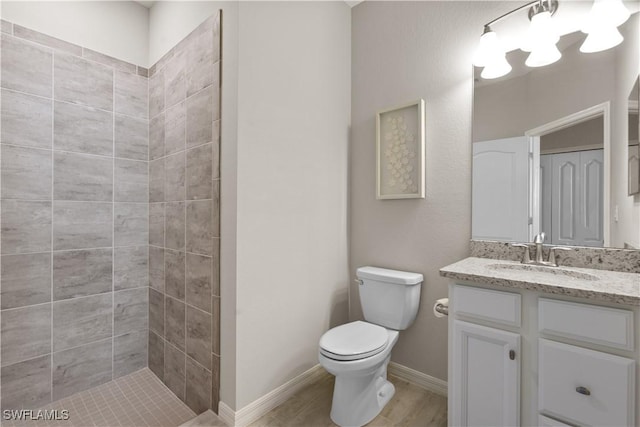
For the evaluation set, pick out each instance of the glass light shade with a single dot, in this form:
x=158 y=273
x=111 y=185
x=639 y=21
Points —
x=605 y=13
x=541 y=32
x=498 y=67
x=488 y=48
x=543 y=55
x=602 y=39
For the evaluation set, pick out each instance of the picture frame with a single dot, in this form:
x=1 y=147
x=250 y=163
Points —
x=400 y=152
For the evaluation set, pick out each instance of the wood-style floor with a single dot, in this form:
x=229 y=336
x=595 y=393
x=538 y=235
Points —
x=411 y=406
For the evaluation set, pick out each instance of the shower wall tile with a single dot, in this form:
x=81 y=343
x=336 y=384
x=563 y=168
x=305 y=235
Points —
x=131 y=269
x=174 y=80
x=80 y=321
x=198 y=389
x=215 y=382
x=199 y=118
x=156 y=93
x=174 y=370
x=199 y=336
x=25 y=66
x=43 y=39
x=131 y=137
x=131 y=311
x=215 y=222
x=156 y=181
x=156 y=224
x=82 y=177
x=26 y=384
x=131 y=95
x=156 y=355
x=25 y=120
x=174 y=265
x=6 y=26
x=198 y=277
x=131 y=224
x=80 y=225
x=156 y=268
x=199 y=227
x=81 y=273
x=215 y=268
x=144 y=72
x=131 y=181
x=156 y=312
x=216 y=150
x=26 y=226
x=26 y=333
x=26 y=280
x=174 y=233
x=26 y=173
x=215 y=328
x=175 y=128
x=110 y=61
x=82 y=129
x=174 y=322
x=199 y=173
x=129 y=353
x=156 y=137
x=174 y=183
x=200 y=59
x=81 y=368
x=72 y=77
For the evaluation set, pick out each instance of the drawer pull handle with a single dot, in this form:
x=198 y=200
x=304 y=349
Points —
x=512 y=354
x=583 y=390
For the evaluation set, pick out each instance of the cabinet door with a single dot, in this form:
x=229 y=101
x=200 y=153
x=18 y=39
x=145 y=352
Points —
x=485 y=385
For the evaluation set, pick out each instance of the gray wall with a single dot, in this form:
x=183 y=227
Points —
x=403 y=51
x=184 y=217
x=74 y=218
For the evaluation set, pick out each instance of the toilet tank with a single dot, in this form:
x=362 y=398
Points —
x=389 y=298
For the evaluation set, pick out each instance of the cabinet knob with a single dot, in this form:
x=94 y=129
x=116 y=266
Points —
x=583 y=390
x=512 y=354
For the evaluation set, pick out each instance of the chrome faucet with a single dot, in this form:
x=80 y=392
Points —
x=539 y=260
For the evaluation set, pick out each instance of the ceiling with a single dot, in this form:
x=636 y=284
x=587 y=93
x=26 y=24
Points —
x=146 y=4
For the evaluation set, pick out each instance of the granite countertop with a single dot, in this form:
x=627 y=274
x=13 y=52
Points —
x=602 y=285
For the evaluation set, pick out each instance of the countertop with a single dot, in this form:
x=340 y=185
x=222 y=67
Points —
x=600 y=285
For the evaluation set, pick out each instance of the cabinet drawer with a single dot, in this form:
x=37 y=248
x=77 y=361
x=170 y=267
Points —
x=487 y=304
x=606 y=384
x=550 y=422
x=611 y=327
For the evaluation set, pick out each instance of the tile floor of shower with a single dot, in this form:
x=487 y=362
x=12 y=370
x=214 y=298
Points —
x=141 y=399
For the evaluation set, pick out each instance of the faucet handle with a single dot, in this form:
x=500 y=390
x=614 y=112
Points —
x=526 y=256
x=539 y=239
x=552 y=253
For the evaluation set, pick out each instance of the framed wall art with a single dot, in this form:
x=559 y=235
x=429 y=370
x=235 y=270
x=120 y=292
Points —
x=400 y=152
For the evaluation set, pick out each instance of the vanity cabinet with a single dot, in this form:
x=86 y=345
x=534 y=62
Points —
x=520 y=357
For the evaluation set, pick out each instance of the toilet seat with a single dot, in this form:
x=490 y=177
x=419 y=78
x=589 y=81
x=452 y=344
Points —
x=354 y=341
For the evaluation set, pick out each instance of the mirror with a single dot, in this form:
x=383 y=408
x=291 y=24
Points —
x=553 y=148
x=634 y=148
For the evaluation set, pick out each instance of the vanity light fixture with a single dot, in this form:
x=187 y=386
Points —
x=541 y=38
x=602 y=25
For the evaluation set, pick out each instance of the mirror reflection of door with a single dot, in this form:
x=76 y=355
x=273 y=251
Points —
x=572 y=184
x=634 y=148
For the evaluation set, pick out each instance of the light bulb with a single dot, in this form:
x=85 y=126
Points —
x=605 y=13
x=601 y=39
x=488 y=47
x=541 y=31
x=543 y=55
x=498 y=67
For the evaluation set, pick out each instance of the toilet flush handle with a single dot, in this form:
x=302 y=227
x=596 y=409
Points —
x=358 y=281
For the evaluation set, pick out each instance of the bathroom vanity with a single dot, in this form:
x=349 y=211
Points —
x=542 y=346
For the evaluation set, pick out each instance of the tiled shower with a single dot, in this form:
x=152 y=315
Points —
x=110 y=201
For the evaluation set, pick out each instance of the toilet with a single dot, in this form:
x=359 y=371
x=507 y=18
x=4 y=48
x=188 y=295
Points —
x=358 y=353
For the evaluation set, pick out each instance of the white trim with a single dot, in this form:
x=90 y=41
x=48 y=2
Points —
x=603 y=110
x=418 y=378
x=261 y=406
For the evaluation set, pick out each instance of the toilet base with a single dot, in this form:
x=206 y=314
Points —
x=359 y=399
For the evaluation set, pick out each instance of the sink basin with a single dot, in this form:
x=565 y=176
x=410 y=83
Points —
x=556 y=271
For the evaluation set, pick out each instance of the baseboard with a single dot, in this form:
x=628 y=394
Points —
x=412 y=376
x=269 y=401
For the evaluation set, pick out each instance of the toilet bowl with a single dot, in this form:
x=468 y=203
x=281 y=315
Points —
x=358 y=353
x=361 y=390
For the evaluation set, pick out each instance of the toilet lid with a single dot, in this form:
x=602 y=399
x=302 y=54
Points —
x=353 y=341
